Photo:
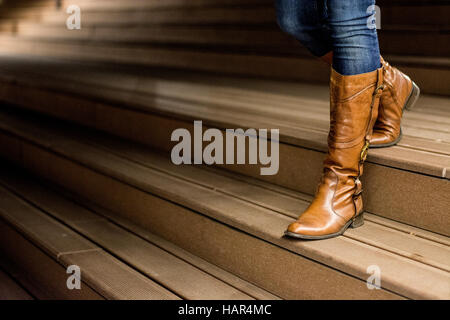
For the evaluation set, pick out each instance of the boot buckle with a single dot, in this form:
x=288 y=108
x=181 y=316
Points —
x=364 y=151
x=358 y=188
x=379 y=90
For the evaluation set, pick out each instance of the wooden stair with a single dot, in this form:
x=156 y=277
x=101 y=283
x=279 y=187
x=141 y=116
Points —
x=89 y=115
x=118 y=260
x=154 y=104
x=232 y=221
x=233 y=37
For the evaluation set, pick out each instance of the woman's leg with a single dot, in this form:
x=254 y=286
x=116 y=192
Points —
x=343 y=27
x=356 y=51
x=305 y=21
x=353 y=36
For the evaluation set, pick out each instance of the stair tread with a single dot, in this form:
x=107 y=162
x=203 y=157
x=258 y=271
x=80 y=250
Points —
x=185 y=279
x=411 y=265
x=300 y=111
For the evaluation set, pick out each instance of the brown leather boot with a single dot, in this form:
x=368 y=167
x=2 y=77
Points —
x=400 y=93
x=354 y=102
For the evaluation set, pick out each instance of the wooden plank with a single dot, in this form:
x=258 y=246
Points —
x=182 y=278
x=392 y=202
x=119 y=281
x=310 y=112
x=264 y=39
x=230 y=248
x=290 y=113
x=49 y=235
x=398 y=242
x=392 y=14
x=191 y=15
x=269 y=226
x=227 y=63
x=11 y=290
x=411 y=230
x=296 y=101
x=198 y=262
x=69 y=248
x=43 y=277
x=405 y=228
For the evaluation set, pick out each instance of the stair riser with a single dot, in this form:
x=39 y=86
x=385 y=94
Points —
x=415 y=199
x=415 y=43
x=40 y=274
x=253 y=259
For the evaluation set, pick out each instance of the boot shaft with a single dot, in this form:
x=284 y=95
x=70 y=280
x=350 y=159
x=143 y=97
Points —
x=354 y=102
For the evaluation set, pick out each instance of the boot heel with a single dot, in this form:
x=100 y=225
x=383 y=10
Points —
x=358 y=221
x=415 y=93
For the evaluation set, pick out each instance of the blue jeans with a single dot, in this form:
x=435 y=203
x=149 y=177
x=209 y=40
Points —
x=345 y=27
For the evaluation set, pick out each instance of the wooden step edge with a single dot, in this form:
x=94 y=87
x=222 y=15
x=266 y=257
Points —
x=310 y=273
x=213 y=182
x=221 y=274
x=399 y=60
x=54 y=238
x=188 y=280
x=428 y=223
x=253 y=101
x=48 y=281
x=402 y=227
x=340 y=241
x=310 y=139
x=140 y=155
x=225 y=63
x=15 y=182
